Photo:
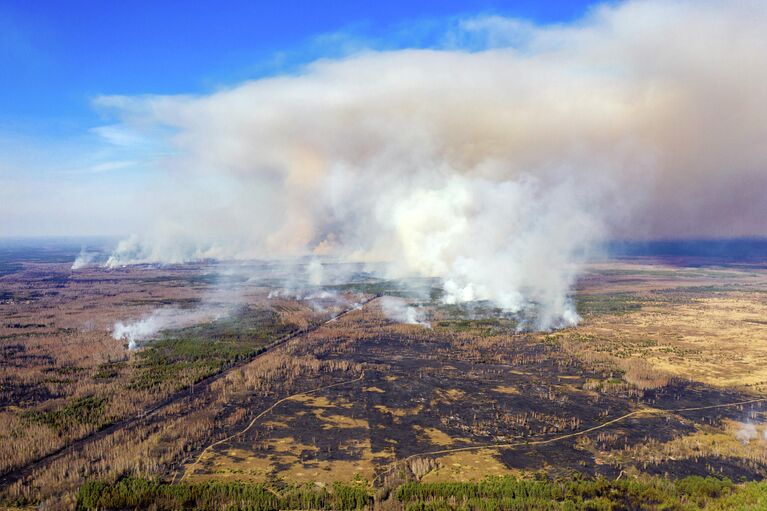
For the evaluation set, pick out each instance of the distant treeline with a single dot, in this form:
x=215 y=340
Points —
x=736 y=249
x=490 y=494
x=500 y=493
x=135 y=493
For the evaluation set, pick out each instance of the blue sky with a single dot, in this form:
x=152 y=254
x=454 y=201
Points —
x=58 y=55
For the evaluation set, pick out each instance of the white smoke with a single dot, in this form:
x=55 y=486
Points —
x=746 y=433
x=495 y=170
x=170 y=250
x=139 y=330
x=321 y=300
x=84 y=259
x=512 y=242
x=315 y=272
x=149 y=326
x=303 y=281
x=398 y=310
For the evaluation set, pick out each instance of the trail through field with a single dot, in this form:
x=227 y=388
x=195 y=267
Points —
x=193 y=466
x=527 y=443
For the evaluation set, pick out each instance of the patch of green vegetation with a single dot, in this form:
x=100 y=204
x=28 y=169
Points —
x=748 y=497
x=84 y=410
x=108 y=371
x=482 y=327
x=217 y=278
x=181 y=303
x=151 y=375
x=478 y=309
x=202 y=350
x=381 y=287
x=136 y=493
x=192 y=279
x=65 y=370
x=495 y=493
x=614 y=272
x=694 y=290
x=491 y=493
x=413 y=288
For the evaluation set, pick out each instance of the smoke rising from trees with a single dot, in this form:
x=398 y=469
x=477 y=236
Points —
x=495 y=162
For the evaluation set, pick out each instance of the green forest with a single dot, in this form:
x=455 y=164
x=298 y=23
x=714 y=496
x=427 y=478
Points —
x=490 y=494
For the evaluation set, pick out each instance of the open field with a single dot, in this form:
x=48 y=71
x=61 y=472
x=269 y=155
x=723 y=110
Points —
x=664 y=377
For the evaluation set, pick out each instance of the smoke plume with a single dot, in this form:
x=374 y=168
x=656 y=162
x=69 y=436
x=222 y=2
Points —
x=746 y=433
x=84 y=259
x=494 y=162
x=398 y=310
x=151 y=325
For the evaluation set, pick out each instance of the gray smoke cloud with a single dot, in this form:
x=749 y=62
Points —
x=746 y=433
x=397 y=309
x=139 y=330
x=494 y=163
x=84 y=259
x=151 y=325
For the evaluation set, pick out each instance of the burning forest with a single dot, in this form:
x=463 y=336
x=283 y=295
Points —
x=384 y=257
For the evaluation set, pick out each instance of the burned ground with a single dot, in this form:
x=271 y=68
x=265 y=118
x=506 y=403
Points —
x=431 y=392
x=366 y=397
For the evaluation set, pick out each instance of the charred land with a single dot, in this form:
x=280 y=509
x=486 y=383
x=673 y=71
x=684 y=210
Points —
x=324 y=398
